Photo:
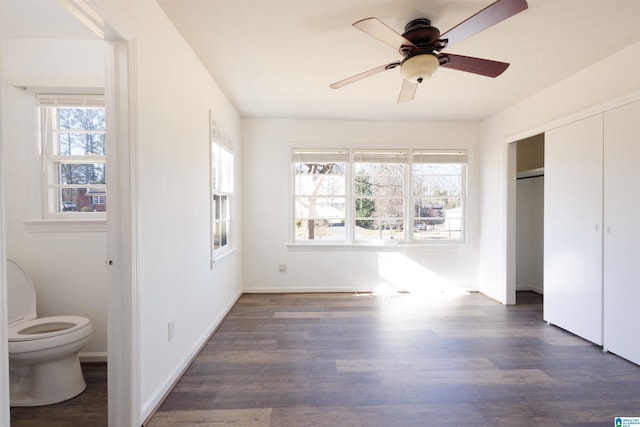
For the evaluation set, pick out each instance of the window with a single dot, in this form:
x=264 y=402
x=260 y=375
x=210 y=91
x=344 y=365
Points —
x=319 y=195
x=72 y=144
x=438 y=195
x=221 y=189
x=378 y=196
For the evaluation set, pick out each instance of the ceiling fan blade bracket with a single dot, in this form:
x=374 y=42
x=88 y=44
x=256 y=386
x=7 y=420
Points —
x=444 y=59
x=440 y=44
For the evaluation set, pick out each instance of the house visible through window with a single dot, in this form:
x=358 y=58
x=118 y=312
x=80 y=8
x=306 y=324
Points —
x=221 y=187
x=73 y=148
x=353 y=196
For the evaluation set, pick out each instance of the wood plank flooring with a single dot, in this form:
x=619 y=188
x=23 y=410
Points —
x=88 y=409
x=405 y=360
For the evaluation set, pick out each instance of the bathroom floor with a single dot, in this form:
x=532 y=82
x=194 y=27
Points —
x=88 y=409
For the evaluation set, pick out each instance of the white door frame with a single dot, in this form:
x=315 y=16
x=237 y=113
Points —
x=123 y=352
x=4 y=347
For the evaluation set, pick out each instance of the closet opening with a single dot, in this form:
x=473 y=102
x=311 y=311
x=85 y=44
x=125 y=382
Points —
x=529 y=223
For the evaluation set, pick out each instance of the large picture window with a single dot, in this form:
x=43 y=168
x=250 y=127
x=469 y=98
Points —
x=73 y=148
x=355 y=196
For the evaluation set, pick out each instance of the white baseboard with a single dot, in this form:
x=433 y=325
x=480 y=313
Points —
x=289 y=290
x=152 y=406
x=92 y=356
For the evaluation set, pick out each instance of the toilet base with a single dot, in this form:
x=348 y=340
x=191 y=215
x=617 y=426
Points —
x=45 y=383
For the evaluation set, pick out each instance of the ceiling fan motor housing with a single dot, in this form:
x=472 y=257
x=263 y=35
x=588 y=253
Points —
x=421 y=60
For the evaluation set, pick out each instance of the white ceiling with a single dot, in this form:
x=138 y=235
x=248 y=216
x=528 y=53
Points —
x=276 y=58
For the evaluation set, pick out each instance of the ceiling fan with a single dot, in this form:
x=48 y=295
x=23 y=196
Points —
x=421 y=45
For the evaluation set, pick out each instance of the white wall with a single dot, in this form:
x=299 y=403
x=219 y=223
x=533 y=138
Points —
x=615 y=76
x=174 y=94
x=266 y=178
x=530 y=234
x=67 y=268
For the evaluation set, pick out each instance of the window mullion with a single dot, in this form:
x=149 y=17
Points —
x=350 y=204
x=408 y=200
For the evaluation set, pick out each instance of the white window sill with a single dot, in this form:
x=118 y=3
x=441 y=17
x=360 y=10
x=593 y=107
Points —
x=379 y=247
x=66 y=226
x=218 y=257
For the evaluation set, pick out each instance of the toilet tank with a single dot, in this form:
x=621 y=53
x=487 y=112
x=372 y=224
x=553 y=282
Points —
x=21 y=294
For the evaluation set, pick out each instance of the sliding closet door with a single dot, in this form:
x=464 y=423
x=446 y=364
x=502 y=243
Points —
x=622 y=231
x=573 y=228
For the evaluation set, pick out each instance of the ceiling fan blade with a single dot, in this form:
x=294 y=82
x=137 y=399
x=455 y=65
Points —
x=487 y=17
x=407 y=91
x=484 y=67
x=362 y=75
x=381 y=31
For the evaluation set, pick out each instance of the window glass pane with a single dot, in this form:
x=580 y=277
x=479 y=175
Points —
x=81 y=144
x=319 y=179
x=437 y=168
x=224 y=225
x=379 y=229
x=437 y=185
x=319 y=218
x=320 y=185
x=438 y=218
x=217 y=235
x=379 y=169
x=81 y=118
x=81 y=173
x=381 y=185
x=224 y=207
x=226 y=161
x=318 y=229
x=81 y=200
x=320 y=207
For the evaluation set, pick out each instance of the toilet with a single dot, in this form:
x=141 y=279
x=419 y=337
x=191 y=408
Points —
x=43 y=353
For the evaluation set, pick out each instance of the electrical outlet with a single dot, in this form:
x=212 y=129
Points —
x=171 y=330
x=282 y=267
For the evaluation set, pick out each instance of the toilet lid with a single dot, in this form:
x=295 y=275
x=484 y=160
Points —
x=21 y=294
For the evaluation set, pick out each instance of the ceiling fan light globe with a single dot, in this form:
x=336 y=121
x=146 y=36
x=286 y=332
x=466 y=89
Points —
x=419 y=67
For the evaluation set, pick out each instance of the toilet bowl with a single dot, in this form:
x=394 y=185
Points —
x=44 y=367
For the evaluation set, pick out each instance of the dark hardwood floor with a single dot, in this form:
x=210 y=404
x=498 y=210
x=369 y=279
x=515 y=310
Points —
x=405 y=360
x=88 y=409
x=359 y=360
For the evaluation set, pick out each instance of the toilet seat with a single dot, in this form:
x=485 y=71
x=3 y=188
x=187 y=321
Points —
x=28 y=343
x=45 y=327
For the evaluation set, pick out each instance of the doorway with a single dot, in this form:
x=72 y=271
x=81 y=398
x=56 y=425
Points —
x=529 y=214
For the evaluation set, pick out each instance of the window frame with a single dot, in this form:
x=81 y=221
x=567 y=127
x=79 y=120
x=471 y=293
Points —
x=221 y=185
x=46 y=140
x=406 y=157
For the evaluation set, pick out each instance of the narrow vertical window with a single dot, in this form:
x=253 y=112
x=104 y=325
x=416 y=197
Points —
x=438 y=195
x=319 y=196
x=221 y=190
x=73 y=147
x=379 y=195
